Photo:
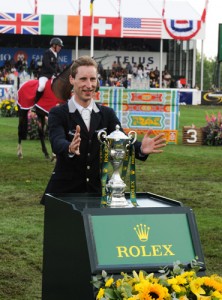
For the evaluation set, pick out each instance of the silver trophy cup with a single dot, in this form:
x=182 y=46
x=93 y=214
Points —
x=118 y=144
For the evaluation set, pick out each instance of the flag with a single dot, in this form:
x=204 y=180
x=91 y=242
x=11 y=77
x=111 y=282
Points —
x=182 y=29
x=60 y=25
x=142 y=28
x=12 y=23
x=91 y=7
x=103 y=26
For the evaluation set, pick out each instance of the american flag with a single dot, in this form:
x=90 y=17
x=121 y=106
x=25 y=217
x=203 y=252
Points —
x=19 y=23
x=142 y=27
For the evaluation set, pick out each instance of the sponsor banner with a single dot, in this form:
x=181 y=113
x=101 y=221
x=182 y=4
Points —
x=7 y=91
x=150 y=59
x=211 y=98
x=106 y=57
x=15 y=54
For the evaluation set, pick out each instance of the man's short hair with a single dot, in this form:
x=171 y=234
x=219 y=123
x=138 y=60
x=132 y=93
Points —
x=82 y=61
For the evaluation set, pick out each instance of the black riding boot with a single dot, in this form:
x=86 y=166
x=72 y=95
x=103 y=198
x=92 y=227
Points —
x=38 y=96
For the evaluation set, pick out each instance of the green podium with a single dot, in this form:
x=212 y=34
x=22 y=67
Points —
x=82 y=239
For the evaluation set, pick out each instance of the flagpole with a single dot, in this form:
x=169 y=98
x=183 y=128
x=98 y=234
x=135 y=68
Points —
x=194 y=63
x=203 y=19
x=161 y=49
x=36 y=7
x=119 y=9
x=77 y=38
x=92 y=29
x=202 y=65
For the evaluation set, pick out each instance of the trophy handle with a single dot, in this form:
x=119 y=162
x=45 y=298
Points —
x=102 y=137
x=130 y=135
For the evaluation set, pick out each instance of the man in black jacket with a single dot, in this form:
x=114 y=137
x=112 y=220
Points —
x=73 y=130
x=50 y=66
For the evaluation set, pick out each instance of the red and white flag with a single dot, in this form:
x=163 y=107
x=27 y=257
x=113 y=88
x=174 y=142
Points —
x=103 y=26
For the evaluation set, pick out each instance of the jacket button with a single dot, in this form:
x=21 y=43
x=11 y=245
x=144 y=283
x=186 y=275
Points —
x=87 y=179
x=88 y=167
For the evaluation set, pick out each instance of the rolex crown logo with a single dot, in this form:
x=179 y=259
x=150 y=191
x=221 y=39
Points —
x=142 y=232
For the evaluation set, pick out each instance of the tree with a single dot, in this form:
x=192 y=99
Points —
x=210 y=72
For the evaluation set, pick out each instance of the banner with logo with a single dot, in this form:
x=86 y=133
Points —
x=211 y=98
x=147 y=238
x=15 y=54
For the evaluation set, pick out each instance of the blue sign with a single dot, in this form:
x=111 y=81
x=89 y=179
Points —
x=15 y=54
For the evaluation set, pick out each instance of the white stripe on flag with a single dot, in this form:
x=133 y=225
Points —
x=60 y=25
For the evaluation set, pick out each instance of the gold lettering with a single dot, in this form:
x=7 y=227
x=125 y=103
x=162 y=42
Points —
x=106 y=156
x=122 y=251
x=143 y=248
x=133 y=189
x=137 y=250
x=143 y=251
x=156 y=250
x=167 y=247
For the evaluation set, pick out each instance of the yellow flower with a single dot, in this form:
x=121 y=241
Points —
x=149 y=291
x=109 y=282
x=201 y=297
x=217 y=295
x=183 y=297
x=8 y=107
x=176 y=288
x=215 y=282
x=196 y=288
x=100 y=294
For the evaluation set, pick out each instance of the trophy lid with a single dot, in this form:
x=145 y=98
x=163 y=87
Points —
x=117 y=135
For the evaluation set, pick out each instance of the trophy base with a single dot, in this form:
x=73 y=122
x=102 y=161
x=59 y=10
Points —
x=119 y=202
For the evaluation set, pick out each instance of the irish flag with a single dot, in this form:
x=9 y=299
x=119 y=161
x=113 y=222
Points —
x=60 y=25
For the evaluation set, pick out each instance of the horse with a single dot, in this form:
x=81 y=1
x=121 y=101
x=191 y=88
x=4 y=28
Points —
x=57 y=91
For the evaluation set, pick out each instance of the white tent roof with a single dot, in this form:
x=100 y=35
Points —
x=174 y=9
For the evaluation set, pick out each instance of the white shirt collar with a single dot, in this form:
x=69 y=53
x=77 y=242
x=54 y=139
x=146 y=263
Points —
x=55 y=53
x=73 y=106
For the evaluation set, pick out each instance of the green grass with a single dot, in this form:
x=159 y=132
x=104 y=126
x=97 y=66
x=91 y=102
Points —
x=188 y=174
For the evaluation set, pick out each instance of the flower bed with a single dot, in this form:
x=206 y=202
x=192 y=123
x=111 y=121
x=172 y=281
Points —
x=176 y=284
x=8 y=108
x=212 y=132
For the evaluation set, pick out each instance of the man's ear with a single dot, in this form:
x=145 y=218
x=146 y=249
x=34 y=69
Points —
x=71 y=80
x=97 y=86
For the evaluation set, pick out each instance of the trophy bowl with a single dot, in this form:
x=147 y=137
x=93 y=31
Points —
x=118 y=144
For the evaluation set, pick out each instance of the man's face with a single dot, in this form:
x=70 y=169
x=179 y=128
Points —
x=58 y=48
x=85 y=83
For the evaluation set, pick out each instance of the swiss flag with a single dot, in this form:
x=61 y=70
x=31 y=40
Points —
x=103 y=26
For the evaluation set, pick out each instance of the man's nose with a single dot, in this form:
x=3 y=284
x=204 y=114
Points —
x=88 y=83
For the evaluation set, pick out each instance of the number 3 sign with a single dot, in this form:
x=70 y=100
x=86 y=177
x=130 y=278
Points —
x=192 y=136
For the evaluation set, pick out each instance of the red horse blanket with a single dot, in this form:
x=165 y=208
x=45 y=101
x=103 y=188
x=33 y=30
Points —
x=26 y=96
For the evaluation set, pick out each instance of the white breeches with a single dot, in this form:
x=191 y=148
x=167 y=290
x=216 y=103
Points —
x=42 y=83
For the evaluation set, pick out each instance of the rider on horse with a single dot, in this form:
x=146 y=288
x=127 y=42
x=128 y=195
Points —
x=50 y=66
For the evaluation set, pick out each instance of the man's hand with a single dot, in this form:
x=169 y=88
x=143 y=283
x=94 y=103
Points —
x=153 y=145
x=75 y=144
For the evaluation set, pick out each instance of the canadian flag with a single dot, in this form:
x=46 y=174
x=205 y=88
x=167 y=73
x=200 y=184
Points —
x=103 y=26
